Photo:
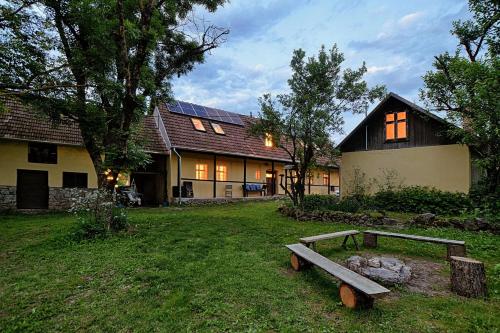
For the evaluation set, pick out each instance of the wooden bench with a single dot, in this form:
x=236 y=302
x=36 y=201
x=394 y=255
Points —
x=307 y=241
x=356 y=291
x=455 y=247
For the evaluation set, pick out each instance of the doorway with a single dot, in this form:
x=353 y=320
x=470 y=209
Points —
x=32 y=189
x=271 y=182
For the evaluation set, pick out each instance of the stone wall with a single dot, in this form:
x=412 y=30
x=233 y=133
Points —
x=7 y=197
x=59 y=198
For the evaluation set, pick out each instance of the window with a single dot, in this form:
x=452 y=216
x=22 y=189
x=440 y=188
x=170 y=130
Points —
x=42 y=153
x=221 y=172
x=268 y=141
x=395 y=126
x=201 y=171
x=325 y=179
x=217 y=128
x=257 y=174
x=198 y=125
x=75 y=179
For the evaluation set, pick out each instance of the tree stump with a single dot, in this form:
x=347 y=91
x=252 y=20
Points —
x=298 y=263
x=354 y=299
x=468 y=277
x=369 y=240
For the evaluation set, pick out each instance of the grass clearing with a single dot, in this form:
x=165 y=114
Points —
x=217 y=268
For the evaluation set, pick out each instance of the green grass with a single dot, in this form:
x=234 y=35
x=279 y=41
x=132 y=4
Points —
x=220 y=268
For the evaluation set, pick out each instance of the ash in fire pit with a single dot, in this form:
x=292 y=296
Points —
x=382 y=269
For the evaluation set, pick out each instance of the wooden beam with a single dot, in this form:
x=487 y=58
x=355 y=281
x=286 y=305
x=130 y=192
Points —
x=273 y=185
x=215 y=176
x=245 y=177
x=329 y=181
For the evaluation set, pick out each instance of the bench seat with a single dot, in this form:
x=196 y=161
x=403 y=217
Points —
x=353 y=279
x=313 y=239
x=455 y=247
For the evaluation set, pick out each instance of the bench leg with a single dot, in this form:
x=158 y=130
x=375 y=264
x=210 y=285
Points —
x=354 y=299
x=369 y=240
x=355 y=242
x=298 y=263
x=455 y=250
x=344 y=243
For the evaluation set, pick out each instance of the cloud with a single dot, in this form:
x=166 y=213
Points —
x=409 y=19
x=227 y=84
x=253 y=19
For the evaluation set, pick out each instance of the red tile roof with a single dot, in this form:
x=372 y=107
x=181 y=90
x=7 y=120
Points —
x=236 y=141
x=21 y=123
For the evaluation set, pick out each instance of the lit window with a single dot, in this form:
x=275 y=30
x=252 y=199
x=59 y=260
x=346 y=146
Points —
x=221 y=173
x=395 y=126
x=198 y=125
x=257 y=174
x=202 y=171
x=217 y=128
x=325 y=179
x=268 y=140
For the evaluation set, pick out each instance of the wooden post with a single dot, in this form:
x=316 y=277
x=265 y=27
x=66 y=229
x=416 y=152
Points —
x=456 y=250
x=369 y=240
x=354 y=299
x=273 y=185
x=245 y=177
x=328 y=181
x=468 y=277
x=215 y=176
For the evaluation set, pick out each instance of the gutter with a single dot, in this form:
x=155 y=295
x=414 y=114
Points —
x=179 y=170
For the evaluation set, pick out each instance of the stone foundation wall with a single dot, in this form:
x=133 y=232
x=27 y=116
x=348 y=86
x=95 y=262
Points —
x=7 y=197
x=59 y=198
x=223 y=201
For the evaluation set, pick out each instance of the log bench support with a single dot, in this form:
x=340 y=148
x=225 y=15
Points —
x=356 y=291
x=369 y=240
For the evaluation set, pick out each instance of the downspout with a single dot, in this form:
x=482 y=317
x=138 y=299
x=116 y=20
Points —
x=179 y=170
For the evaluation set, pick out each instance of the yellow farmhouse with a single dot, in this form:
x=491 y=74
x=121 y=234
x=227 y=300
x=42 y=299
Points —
x=401 y=141
x=197 y=152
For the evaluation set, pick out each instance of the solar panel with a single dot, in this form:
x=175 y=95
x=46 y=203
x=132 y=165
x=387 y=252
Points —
x=205 y=112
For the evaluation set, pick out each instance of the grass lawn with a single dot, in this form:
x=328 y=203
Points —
x=220 y=268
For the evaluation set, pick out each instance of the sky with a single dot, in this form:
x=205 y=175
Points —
x=397 y=40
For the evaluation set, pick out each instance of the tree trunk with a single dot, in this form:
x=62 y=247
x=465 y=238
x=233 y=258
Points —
x=468 y=277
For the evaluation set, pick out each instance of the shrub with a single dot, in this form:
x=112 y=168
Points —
x=419 y=199
x=96 y=214
x=320 y=202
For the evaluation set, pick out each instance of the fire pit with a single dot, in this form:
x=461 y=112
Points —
x=388 y=271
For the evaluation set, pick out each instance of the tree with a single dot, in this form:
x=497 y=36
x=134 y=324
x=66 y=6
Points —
x=302 y=120
x=467 y=86
x=101 y=63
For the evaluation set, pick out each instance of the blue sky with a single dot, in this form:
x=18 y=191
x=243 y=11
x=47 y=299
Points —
x=396 y=39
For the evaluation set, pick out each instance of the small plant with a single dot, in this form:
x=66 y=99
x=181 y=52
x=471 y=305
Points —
x=359 y=184
x=390 y=180
x=96 y=213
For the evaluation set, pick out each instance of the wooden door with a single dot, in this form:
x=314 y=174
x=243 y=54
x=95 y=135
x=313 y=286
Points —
x=270 y=182
x=32 y=189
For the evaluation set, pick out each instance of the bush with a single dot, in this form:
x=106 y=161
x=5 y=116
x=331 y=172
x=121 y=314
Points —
x=320 y=202
x=96 y=213
x=419 y=199
x=350 y=204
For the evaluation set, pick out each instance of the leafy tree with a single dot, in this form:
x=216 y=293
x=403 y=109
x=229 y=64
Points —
x=101 y=63
x=302 y=120
x=467 y=86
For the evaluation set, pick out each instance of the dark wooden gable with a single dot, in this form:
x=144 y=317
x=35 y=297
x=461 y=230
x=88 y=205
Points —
x=422 y=129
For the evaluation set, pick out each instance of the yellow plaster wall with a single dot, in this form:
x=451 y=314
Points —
x=445 y=167
x=70 y=159
x=235 y=170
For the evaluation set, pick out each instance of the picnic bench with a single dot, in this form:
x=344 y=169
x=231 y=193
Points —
x=356 y=291
x=248 y=188
x=455 y=247
x=307 y=241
